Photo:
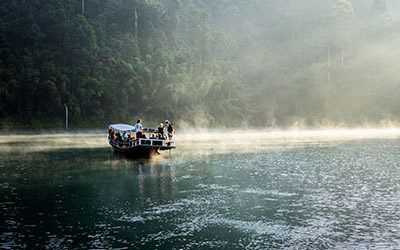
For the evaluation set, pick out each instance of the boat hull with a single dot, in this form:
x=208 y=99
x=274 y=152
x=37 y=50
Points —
x=138 y=151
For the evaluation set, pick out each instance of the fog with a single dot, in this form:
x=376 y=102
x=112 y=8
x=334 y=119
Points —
x=197 y=143
x=314 y=63
x=274 y=64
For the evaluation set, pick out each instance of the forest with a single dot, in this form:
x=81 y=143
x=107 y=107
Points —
x=199 y=63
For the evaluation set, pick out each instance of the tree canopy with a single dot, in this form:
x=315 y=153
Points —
x=199 y=62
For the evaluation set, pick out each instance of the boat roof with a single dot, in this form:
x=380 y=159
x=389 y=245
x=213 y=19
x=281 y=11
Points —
x=122 y=127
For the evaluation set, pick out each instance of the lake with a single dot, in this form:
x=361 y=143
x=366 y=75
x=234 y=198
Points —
x=228 y=190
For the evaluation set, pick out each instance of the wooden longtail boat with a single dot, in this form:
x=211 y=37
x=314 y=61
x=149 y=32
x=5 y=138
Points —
x=145 y=147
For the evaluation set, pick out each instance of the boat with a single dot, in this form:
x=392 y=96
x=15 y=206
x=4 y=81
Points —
x=150 y=144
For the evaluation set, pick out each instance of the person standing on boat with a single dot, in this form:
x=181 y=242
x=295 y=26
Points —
x=170 y=129
x=139 y=129
x=161 y=131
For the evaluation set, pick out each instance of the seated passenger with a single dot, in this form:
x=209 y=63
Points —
x=110 y=133
x=118 y=137
x=125 y=137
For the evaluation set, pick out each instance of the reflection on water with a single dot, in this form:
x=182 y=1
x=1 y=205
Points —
x=312 y=189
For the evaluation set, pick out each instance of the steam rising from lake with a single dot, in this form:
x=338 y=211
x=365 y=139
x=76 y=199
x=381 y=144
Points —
x=203 y=141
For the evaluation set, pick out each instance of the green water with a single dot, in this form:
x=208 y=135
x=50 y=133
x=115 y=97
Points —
x=306 y=195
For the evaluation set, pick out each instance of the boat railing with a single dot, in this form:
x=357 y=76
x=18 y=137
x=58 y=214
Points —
x=121 y=143
x=144 y=142
x=155 y=142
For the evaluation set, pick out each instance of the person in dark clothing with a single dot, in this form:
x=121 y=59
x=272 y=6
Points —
x=111 y=134
x=170 y=129
x=119 y=138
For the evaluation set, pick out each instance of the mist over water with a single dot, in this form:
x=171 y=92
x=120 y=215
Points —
x=201 y=140
x=231 y=190
x=239 y=64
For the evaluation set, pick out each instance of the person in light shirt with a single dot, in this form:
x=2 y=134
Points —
x=161 y=131
x=139 y=129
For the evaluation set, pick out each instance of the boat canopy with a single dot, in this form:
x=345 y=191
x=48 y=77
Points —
x=123 y=127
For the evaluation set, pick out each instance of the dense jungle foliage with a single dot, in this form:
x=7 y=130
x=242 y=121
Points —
x=259 y=63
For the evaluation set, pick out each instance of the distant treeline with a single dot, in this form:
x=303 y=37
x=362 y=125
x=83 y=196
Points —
x=199 y=62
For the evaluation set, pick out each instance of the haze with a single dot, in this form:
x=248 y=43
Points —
x=199 y=63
